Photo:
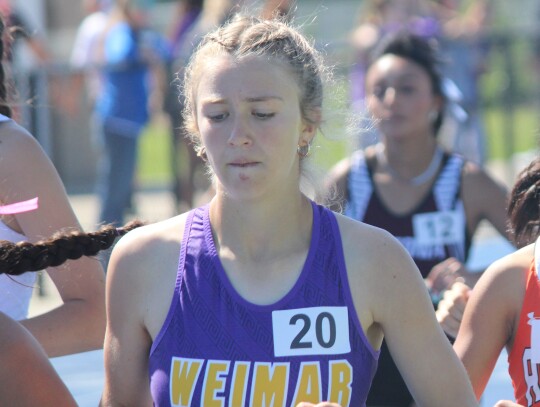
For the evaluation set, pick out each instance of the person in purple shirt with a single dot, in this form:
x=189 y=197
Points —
x=263 y=297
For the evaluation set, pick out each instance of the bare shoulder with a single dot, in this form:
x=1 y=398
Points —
x=508 y=274
x=380 y=273
x=148 y=246
x=23 y=162
x=484 y=197
x=14 y=137
x=372 y=251
x=502 y=286
x=142 y=272
x=19 y=147
x=476 y=177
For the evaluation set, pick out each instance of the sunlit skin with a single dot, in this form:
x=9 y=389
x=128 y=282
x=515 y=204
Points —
x=248 y=115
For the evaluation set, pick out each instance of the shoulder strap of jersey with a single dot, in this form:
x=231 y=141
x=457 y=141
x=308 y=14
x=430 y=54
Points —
x=446 y=189
x=446 y=195
x=360 y=187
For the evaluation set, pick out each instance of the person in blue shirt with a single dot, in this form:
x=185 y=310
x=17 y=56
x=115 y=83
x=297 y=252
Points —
x=127 y=53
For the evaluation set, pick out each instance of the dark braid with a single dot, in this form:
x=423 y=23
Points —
x=4 y=106
x=524 y=207
x=18 y=258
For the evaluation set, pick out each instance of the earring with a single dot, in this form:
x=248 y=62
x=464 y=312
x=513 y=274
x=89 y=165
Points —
x=304 y=151
x=202 y=153
x=432 y=115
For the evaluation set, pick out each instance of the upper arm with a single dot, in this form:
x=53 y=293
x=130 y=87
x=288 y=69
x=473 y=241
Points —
x=27 y=172
x=484 y=199
x=487 y=324
x=127 y=342
x=401 y=306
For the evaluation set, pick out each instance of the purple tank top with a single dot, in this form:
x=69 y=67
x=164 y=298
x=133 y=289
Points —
x=217 y=349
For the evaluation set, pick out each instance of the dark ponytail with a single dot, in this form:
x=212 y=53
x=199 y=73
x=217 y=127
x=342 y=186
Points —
x=18 y=258
x=524 y=207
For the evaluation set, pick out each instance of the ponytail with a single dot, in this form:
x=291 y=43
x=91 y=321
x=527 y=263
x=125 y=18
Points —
x=18 y=258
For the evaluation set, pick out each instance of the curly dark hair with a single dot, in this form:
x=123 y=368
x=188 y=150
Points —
x=524 y=207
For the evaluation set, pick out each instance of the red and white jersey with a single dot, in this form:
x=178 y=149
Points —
x=524 y=359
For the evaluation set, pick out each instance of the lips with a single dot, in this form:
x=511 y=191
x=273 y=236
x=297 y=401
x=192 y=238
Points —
x=243 y=163
x=394 y=117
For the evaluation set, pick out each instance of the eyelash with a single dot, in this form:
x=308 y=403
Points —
x=406 y=89
x=263 y=116
x=220 y=117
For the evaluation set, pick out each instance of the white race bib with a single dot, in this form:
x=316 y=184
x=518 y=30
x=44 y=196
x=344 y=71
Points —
x=438 y=228
x=311 y=331
x=534 y=322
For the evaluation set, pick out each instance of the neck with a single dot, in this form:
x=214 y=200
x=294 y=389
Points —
x=410 y=162
x=258 y=231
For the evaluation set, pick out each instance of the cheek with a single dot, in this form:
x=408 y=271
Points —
x=210 y=136
x=373 y=104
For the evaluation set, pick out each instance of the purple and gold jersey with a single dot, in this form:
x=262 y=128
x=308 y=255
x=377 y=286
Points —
x=217 y=349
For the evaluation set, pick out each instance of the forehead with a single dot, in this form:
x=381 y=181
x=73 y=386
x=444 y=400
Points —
x=393 y=67
x=226 y=77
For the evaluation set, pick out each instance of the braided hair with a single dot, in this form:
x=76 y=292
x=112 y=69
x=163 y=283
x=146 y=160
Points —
x=18 y=258
x=524 y=207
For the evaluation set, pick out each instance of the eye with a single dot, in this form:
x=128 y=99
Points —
x=217 y=117
x=378 y=92
x=263 y=115
x=407 y=89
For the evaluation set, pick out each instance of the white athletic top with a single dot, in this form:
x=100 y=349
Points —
x=15 y=291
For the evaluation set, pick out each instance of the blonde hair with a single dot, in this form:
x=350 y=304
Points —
x=248 y=36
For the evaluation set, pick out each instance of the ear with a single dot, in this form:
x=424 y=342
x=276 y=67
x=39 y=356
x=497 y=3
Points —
x=309 y=128
x=438 y=103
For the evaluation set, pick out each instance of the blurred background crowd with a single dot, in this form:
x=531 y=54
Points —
x=71 y=64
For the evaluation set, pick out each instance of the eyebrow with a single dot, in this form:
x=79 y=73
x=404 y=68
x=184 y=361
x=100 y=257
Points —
x=218 y=101
x=264 y=98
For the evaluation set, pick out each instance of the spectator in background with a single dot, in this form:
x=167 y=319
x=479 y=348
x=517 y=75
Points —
x=84 y=52
x=535 y=53
x=23 y=31
x=184 y=160
x=465 y=48
x=129 y=55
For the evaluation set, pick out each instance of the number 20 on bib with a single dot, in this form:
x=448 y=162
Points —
x=311 y=331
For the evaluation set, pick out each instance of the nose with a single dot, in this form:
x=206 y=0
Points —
x=389 y=96
x=240 y=134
